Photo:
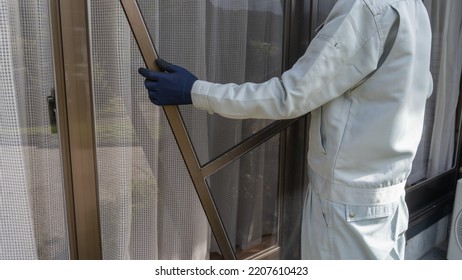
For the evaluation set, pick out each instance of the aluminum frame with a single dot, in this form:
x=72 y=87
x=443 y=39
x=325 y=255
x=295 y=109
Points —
x=63 y=127
x=69 y=22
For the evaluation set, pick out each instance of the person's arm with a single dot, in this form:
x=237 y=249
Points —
x=345 y=51
x=339 y=57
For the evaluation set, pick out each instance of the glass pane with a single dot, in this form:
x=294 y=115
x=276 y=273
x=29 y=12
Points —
x=246 y=195
x=32 y=211
x=220 y=41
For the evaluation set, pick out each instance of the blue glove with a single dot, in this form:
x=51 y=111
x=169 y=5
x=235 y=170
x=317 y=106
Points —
x=171 y=86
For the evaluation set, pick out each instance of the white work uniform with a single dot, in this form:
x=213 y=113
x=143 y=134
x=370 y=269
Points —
x=365 y=79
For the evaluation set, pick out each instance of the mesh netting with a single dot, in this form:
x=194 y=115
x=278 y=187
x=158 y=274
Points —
x=31 y=188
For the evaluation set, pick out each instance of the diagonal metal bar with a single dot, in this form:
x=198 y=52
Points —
x=177 y=125
x=245 y=146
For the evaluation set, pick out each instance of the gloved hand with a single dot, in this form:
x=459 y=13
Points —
x=171 y=86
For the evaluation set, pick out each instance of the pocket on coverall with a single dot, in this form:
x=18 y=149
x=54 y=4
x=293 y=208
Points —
x=316 y=139
x=365 y=232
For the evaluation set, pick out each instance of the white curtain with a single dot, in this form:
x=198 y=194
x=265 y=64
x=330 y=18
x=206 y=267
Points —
x=149 y=208
x=32 y=213
x=436 y=151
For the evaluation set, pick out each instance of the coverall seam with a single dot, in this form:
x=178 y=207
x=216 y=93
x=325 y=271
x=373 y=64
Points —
x=378 y=8
x=374 y=73
x=332 y=43
x=337 y=153
x=378 y=27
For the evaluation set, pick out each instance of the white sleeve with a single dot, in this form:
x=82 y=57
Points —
x=345 y=51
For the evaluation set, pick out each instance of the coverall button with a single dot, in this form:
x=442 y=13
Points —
x=351 y=215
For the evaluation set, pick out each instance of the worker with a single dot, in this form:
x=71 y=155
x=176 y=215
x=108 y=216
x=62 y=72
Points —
x=365 y=79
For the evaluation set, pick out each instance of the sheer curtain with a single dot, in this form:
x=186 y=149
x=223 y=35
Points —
x=447 y=24
x=436 y=151
x=149 y=208
x=32 y=212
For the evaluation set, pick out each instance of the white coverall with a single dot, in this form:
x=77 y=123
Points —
x=365 y=79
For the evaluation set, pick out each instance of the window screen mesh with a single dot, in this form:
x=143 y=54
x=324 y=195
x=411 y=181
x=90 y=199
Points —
x=32 y=209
